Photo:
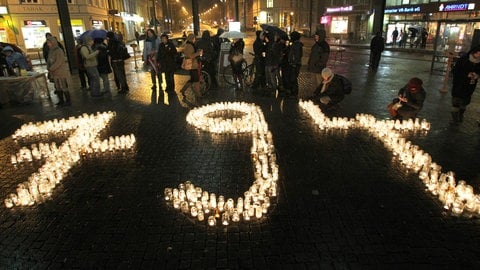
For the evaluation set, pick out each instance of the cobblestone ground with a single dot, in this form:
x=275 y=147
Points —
x=344 y=201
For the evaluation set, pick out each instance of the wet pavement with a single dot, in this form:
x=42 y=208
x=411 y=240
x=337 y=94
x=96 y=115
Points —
x=344 y=201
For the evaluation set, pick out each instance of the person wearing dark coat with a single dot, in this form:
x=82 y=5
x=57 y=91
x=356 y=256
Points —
x=377 y=45
x=465 y=77
x=272 y=61
x=235 y=56
x=411 y=98
x=318 y=56
x=285 y=69
x=295 y=61
x=259 y=49
x=217 y=43
x=166 y=58
x=206 y=44
x=117 y=62
x=330 y=92
x=103 y=65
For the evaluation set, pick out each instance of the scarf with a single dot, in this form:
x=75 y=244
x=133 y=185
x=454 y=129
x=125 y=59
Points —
x=325 y=82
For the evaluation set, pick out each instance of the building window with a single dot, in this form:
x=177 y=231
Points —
x=269 y=3
x=29 y=1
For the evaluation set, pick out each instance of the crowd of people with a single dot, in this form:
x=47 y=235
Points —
x=277 y=60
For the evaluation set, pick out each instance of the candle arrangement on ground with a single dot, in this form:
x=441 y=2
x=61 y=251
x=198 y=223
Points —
x=458 y=198
x=82 y=139
x=231 y=118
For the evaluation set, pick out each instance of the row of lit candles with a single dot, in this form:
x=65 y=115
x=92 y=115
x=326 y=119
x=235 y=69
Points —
x=59 y=160
x=456 y=197
x=232 y=118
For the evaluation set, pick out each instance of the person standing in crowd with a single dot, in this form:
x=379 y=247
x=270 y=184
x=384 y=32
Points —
x=59 y=72
x=103 y=65
x=217 y=45
x=114 y=49
x=45 y=48
x=150 y=47
x=295 y=61
x=394 y=36
x=272 y=62
x=90 y=60
x=205 y=43
x=409 y=101
x=192 y=53
x=403 y=39
x=82 y=72
x=466 y=72
x=235 y=56
x=377 y=45
x=259 y=60
x=285 y=87
x=330 y=91
x=166 y=58
x=15 y=59
x=318 y=56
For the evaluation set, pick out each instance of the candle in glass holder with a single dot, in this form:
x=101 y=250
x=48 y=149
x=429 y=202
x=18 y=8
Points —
x=212 y=221
x=225 y=219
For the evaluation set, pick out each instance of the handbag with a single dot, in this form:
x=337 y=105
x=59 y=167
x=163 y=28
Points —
x=393 y=107
x=187 y=63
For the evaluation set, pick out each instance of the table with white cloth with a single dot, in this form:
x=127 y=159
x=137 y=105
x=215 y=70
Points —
x=22 y=89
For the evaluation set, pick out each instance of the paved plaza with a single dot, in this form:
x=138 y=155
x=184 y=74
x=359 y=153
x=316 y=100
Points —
x=344 y=201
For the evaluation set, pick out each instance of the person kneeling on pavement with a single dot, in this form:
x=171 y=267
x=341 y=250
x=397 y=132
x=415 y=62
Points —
x=330 y=91
x=410 y=100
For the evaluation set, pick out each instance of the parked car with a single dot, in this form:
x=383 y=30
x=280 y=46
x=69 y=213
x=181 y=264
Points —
x=18 y=49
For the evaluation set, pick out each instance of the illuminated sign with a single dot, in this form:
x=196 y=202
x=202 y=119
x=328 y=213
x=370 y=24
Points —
x=339 y=9
x=403 y=10
x=35 y=23
x=325 y=19
x=456 y=7
x=3 y=10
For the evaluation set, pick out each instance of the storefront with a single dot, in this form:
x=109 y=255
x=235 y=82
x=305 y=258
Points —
x=347 y=22
x=444 y=26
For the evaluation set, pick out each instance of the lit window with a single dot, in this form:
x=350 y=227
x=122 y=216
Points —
x=29 y=1
x=269 y=3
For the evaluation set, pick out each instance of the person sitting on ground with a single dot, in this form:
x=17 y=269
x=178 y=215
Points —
x=330 y=91
x=410 y=100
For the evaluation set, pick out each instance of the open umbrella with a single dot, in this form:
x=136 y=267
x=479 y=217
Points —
x=94 y=33
x=232 y=34
x=273 y=29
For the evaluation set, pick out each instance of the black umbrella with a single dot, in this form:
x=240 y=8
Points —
x=273 y=29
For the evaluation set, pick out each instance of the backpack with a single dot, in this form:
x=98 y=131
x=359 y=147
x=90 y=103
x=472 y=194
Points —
x=347 y=84
x=123 y=51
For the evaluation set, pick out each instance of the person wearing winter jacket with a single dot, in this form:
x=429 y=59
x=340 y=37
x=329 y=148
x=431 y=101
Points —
x=117 y=62
x=103 y=66
x=465 y=77
x=166 y=58
x=90 y=61
x=318 y=56
x=295 y=61
x=410 y=99
x=59 y=72
x=330 y=91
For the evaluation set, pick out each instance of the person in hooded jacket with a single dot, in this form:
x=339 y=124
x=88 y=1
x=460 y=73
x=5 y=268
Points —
x=15 y=59
x=166 y=58
x=411 y=98
x=466 y=72
x=206 y=44
x=318 y=56
x=295 y=61
x=59 y=72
